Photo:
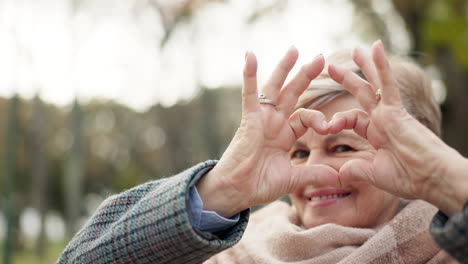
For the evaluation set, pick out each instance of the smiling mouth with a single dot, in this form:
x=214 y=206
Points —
x=328 y=197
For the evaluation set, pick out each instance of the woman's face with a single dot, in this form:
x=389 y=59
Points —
x=357 y=204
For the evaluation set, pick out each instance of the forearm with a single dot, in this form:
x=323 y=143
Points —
x=150 y=223
x=451 y=234
x=451 y=192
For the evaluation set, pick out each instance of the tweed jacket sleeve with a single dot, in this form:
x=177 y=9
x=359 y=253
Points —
x=452 y=233
x=150 y=224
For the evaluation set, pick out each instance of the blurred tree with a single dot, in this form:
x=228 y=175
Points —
x=438 y=30
x=117 y=147
x=75 y=167
x=9 y=173
x=174 y=13
x=39 y=169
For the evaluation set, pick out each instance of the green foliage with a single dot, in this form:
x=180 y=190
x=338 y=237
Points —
x=445 y=26
x=29 y=256
x=128 y=177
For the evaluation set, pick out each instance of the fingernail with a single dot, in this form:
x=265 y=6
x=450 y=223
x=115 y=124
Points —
x=377 y=43
x=358 y=50
x=246 y=54
x=338 y=68
x=380 y=43
x=318 y=56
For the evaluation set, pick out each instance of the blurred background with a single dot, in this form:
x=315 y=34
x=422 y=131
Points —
x=99 y=96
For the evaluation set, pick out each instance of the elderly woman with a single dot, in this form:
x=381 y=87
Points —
x=354 y=135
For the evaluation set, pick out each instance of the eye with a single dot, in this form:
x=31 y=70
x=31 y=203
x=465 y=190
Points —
x=300 y=154
x=342 y=148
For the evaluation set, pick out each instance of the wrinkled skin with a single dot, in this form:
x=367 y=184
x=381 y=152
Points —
x=364 y=205
x=410 y=161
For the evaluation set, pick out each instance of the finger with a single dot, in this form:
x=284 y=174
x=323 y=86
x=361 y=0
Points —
x=249 y=90
x=276 y=81
x=289 y=95
x=390 y=92
x=357 y=86
x=365 y=63
x=356 y=170
x=317 y=174
x=304 y=119
x=354 y=119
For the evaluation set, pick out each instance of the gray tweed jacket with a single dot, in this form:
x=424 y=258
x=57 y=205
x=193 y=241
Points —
x=150 y=224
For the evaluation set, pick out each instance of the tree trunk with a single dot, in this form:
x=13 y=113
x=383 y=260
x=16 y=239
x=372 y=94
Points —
x=39 y=175
x=10 y=175
x=74 y=174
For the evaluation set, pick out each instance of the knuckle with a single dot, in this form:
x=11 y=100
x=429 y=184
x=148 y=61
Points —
x=348 y=75
x=348 y=79
x=338 y=115
x=368 y=86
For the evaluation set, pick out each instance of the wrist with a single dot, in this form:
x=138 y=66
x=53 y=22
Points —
x=451 y=195
x=218 y=196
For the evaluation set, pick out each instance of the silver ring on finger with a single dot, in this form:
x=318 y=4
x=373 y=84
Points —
x=263 y=100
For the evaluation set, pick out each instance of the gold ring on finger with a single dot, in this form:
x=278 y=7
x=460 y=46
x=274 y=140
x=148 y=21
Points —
x=378 y=95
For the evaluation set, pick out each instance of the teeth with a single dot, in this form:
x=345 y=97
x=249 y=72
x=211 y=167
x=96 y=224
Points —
x=326 y=197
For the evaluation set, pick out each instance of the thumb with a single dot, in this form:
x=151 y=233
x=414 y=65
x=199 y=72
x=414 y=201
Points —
x=317 y=174
x=356 y=170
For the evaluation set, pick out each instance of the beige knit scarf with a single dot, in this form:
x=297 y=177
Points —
x=274 y=235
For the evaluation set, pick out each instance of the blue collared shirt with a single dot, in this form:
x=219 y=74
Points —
x=207 y=221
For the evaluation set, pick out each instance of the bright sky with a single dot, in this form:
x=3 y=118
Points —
x=109 y=50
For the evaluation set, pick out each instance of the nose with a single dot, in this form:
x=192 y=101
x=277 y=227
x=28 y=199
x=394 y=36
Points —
x=319 y=157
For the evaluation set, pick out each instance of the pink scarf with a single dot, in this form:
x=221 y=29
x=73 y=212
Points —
x=274 y=235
